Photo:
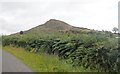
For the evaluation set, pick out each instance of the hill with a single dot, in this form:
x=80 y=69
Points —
x=54 y=25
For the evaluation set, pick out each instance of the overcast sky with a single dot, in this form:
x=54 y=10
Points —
x=92 y=14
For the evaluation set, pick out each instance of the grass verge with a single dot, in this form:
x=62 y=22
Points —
x=42 y=62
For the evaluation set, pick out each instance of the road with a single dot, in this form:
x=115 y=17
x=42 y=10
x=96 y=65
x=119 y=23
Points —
x=11 y=64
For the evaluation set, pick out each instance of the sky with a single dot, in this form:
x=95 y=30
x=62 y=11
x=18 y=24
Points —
x=25 y=14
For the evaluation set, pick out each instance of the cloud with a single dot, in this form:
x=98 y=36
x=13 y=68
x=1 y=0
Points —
x=23 y=15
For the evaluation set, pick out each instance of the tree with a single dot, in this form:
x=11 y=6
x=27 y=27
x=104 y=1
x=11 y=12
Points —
x=115 y=29
x=21 y=32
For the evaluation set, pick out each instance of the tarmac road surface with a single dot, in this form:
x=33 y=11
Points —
x=11 y=64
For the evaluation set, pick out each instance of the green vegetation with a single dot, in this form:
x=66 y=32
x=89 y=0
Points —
x=90 y=51
x=79 y=47
x=42 y=62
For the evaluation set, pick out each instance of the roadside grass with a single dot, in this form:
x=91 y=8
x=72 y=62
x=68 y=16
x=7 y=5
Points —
x=0 y=47
x=42 y=62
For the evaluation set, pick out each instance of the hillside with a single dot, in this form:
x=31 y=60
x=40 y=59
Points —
x=79 y=47
x=54 y=25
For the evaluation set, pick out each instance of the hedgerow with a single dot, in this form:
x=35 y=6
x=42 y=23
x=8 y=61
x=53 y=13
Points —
x=95 y=51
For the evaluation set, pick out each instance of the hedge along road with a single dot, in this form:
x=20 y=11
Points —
x=11 y=64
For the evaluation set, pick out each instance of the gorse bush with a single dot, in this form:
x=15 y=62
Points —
x=95 y=51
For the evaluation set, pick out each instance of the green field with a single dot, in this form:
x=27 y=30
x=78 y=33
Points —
x=42 y=62
x=94 y=52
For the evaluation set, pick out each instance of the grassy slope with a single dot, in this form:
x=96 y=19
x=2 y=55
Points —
x=42 y=62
